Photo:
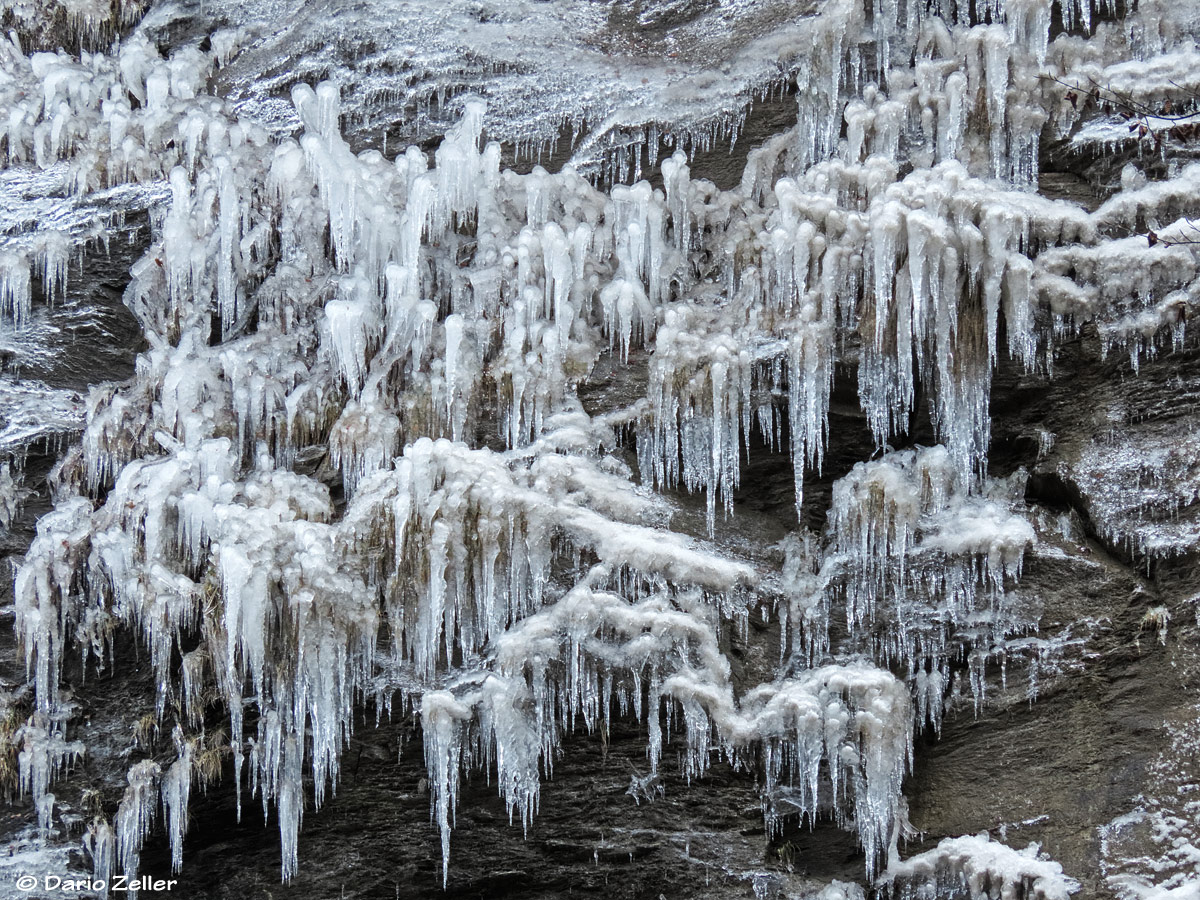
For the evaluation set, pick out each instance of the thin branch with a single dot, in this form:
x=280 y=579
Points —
x=1155 y=239
x=1134 y=107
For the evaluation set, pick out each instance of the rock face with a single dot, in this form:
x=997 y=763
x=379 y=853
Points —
x=1107 y=734
x=741 y=532
x=1104 y=738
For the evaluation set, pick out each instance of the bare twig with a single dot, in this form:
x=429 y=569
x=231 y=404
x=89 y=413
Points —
x=1146 y=123
x=1155 y=239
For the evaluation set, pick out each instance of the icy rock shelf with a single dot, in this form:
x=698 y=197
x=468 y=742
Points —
x=413 y=329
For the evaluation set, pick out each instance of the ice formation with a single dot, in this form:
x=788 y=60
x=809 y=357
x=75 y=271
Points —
x=982 y=869
x=921 y=570
x=837 y=890
x=414 y=329
x=592 y=653
x=1143 y=499
x=1150 y=852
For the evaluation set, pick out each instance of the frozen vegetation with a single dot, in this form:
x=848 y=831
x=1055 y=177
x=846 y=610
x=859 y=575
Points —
x=354 y=465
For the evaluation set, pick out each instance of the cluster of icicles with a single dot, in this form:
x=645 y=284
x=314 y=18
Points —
x=317 y=316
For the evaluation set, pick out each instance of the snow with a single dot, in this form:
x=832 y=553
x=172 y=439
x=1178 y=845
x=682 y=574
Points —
x=981 y=867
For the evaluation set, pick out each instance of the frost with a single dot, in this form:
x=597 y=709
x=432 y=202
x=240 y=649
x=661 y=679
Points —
x=1150 y=852
x=1141 y=492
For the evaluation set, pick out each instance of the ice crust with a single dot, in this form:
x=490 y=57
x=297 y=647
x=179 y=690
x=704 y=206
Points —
x=982 y=869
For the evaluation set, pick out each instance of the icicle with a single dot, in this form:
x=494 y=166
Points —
x=135 y=815
x=176 y=788
x=981 y=867
x=441 y=725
